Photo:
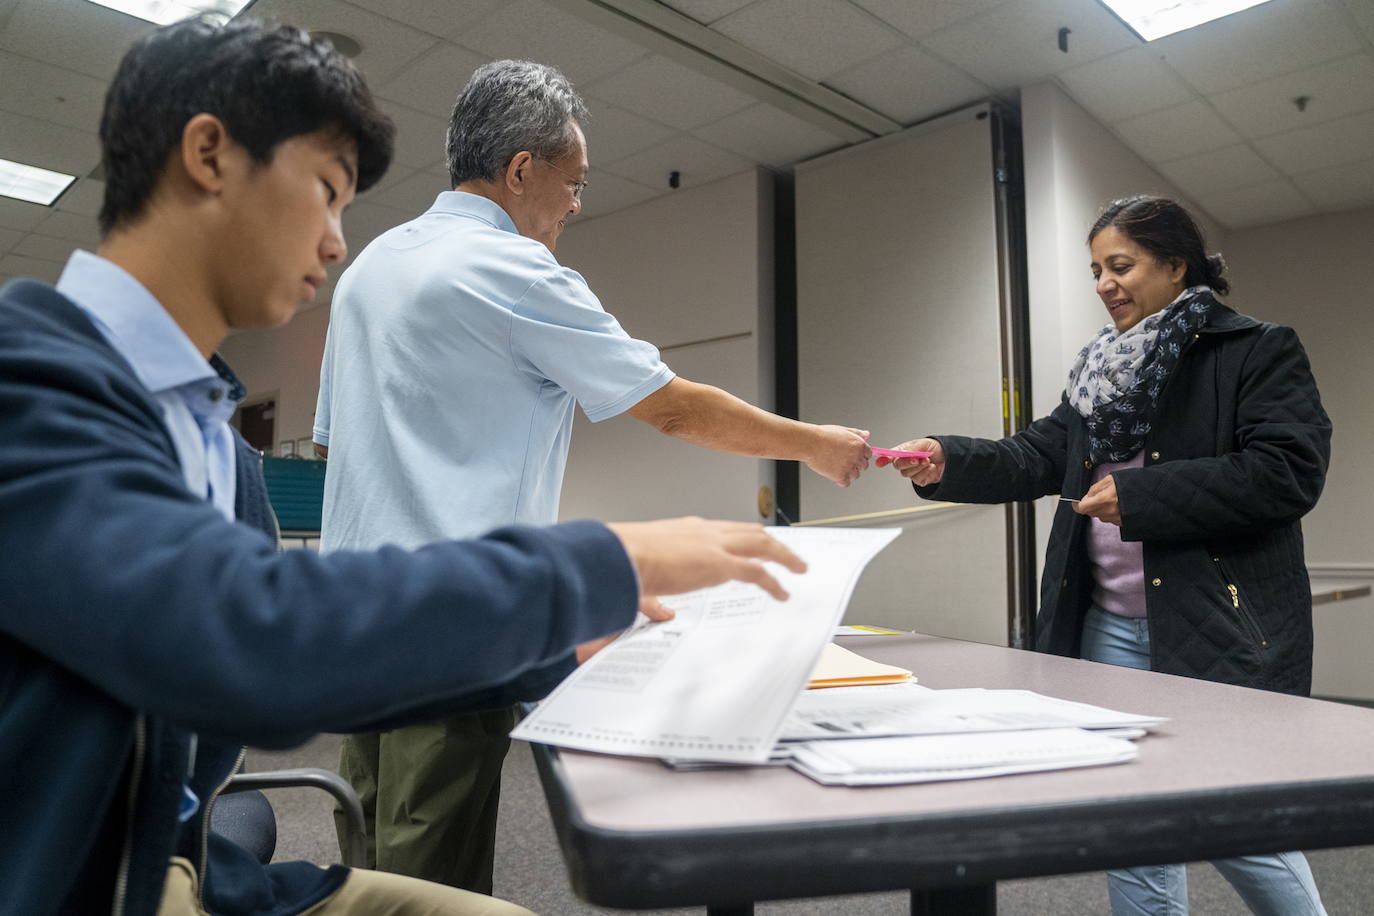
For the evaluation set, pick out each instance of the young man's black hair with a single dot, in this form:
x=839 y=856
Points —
x=267 y=84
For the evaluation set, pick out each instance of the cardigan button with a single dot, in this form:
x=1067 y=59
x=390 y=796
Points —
x=1087 y=464
x=1064 y=583
x=1156 y=582
x=1154 y=456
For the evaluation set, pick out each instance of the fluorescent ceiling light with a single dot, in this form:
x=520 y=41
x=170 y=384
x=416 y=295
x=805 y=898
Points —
x=26 y=182
x=165 y=12
x=1151 y=19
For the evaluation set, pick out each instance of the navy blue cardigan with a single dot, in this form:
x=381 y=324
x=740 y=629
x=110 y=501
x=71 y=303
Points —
x=133 y=614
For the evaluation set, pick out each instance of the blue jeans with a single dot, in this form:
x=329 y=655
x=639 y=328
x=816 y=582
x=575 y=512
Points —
x=1272 y=885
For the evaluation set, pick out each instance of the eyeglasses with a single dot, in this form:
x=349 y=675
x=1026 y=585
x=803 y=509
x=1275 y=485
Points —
x=577 y=186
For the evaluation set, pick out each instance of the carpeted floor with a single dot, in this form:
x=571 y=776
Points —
x=529 y=868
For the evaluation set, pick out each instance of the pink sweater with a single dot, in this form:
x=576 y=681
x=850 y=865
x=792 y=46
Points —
x=1118 y=566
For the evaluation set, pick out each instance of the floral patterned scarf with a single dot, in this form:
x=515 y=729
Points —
x=1118 y=376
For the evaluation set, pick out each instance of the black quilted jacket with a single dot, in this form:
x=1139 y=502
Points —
x=1237 y=454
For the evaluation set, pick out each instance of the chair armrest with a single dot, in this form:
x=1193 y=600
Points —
x=354 y=842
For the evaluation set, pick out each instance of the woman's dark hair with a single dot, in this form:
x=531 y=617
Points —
x=1167 y=231
x=266 y=83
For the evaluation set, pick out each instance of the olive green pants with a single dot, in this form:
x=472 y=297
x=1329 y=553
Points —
x=430 y=794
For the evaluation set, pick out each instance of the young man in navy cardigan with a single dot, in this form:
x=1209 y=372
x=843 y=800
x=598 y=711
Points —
x=149 y=626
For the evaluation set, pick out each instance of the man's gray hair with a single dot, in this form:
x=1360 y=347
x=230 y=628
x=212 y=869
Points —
x=509 y=106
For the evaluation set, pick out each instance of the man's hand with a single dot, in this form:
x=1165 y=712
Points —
x=841 y=454
x=1100 y=502
x=684 y=554
x=921 y=471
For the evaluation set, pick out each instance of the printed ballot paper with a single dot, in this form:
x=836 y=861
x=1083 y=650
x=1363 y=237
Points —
x=716 y=682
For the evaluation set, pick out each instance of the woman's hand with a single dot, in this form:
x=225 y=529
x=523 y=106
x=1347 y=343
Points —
x=921 y=471
x=1100 y=502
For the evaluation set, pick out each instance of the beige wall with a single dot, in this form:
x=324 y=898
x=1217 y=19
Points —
x=284 y=361
x=691 y=273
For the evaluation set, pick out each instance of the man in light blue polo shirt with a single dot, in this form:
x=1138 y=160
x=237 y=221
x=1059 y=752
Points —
x=458 y=347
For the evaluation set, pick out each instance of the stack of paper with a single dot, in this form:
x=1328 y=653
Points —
x=838 y=667
x=926 y=758
x=716 y=682
x=910 y=709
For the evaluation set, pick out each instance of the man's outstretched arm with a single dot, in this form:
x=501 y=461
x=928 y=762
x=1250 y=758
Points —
x=711 y=418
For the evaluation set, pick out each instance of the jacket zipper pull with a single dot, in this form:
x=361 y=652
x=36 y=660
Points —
x=1235 y=595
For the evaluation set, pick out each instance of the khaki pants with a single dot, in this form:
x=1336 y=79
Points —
x=364 y=893
x=430 y=794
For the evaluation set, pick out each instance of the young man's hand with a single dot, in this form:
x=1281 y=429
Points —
x=921 y=471
x=841 y=454
x=683 y=554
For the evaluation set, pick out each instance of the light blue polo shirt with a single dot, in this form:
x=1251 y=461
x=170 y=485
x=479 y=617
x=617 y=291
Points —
x=456 y=351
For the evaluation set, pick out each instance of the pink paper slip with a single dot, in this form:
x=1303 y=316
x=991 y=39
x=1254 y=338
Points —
x=897 y=453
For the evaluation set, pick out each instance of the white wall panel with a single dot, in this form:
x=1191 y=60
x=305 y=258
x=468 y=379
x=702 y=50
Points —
x=898 y=332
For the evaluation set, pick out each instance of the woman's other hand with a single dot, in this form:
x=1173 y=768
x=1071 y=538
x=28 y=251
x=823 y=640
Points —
x=1100 y=502
x=921 y=471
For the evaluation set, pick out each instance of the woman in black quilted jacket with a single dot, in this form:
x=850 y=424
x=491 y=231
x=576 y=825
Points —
x=1192 y=439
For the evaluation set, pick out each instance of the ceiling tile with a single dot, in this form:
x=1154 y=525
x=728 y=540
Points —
x=707 y=11
x=84 y=197
x=1363 y=11
x=414 y=195
x=1334 y=89
x=908 y=85
x=387 y=45
x=40 y=90
x=1259 y=43
x=47 y=145
x=8 y=239
x=437 y=17
x=606 y=193
x=697 y=162
x=44 y=248
x=767 y=135
x=614 y=133
x=1018 y=43
x=73 y=34
x=1341 y=187
x=75 y=226
x=666 y=91
x=20 y=214
x=920 y=17
x=1218 y=170
x=1162 y=136
x=419 y=136
x=816 y=38
x=534 y=30
x=1333 y=143
x=433 y=81
x=1257 y=205
x=1126 y=84
x=19 y=266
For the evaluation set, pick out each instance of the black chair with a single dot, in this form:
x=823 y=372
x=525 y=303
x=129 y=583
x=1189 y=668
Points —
x=243 y=814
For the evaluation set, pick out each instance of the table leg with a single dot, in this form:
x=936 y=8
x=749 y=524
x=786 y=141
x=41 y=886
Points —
x=955 y=901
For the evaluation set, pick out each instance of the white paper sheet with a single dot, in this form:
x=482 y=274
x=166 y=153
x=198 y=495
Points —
x=910 y=709
x=929 y=758
x=716 y=682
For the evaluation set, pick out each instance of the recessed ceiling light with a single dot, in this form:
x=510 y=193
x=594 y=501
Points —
x=165 y=12
x=1151 y=19
x=27 y=182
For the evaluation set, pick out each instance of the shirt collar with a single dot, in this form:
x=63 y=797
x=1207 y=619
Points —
x=134 y=322
x=474 y=205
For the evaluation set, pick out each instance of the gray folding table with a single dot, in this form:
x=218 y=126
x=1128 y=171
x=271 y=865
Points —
x=1234 y=772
